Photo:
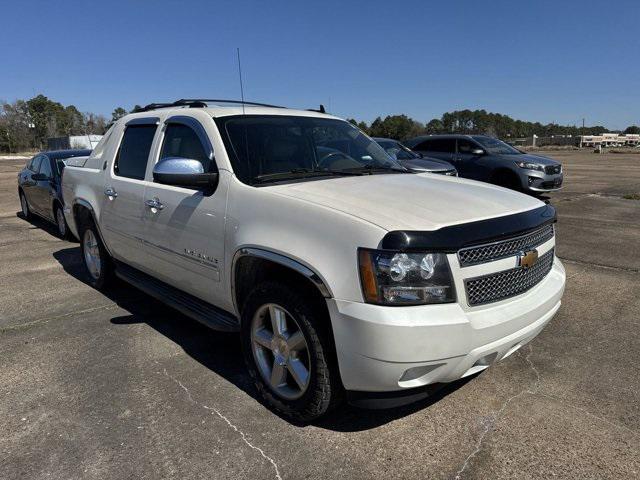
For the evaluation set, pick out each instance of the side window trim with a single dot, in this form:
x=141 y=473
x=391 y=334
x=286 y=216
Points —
x=199 y=130
x=146 y=121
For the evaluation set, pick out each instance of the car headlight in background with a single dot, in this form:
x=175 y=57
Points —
x=530 y=166
x=398 y=278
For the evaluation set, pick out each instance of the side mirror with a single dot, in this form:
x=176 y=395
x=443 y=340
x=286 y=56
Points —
x=39 y=177
x=184 y=172
x=478 y=151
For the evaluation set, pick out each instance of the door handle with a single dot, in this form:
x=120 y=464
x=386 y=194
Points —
x=110 y=192
x=154 y=203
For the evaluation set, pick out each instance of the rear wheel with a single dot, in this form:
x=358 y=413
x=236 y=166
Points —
x=289 y=352
x=24 y=206
x=61 y=222
x=95 y=256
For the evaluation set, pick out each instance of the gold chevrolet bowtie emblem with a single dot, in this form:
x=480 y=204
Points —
x=528 y=259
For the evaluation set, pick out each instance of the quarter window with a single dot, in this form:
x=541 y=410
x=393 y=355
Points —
x=131 y=161
x=181 y=141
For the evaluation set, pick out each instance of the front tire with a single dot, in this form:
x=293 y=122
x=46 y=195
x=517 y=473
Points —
x=507 y=179
x=289 y=352
x=94 y=254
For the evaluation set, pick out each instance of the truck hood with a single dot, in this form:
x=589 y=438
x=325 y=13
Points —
x=410 y=201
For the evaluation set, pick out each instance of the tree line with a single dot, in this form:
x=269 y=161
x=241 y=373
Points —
x=401 y=127
x=27 y=124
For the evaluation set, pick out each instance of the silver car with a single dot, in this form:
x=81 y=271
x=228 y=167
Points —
x=415 y=161
x=488 y=159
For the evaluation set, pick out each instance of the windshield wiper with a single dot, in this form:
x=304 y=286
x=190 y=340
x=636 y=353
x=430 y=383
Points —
x=377 y=168
x=301 y=173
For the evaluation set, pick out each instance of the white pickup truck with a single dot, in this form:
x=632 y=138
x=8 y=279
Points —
x=345 y=274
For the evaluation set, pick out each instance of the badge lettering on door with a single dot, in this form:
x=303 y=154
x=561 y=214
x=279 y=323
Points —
x=200 y=256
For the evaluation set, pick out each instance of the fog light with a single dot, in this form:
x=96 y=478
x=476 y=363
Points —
x=417 y=372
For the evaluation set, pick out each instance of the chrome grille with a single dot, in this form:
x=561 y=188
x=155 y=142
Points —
x=507 y=283
x=504 y=248
x=552 y=169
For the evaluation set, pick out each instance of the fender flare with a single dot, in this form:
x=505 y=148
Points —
x=280 y=259
x=84 y=203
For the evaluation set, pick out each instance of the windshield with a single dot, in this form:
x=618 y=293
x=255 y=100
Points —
x=277 y=147
x=495 y=146
x=397 y=150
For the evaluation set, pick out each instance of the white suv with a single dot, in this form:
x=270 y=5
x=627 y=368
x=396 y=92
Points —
x=342 y=271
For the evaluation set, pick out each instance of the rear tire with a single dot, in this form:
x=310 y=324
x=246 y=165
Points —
x=95 y=257
x=61 y=222
x=289 y=352
x=24 y=206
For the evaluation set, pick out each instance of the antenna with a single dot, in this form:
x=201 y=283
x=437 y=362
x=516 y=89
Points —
x=240 y=75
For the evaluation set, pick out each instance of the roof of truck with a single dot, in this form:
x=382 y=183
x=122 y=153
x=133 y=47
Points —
x=224 y=108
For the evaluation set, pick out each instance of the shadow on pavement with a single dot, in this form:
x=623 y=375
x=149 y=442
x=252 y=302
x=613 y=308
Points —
x=44 y=225
x=221 y=351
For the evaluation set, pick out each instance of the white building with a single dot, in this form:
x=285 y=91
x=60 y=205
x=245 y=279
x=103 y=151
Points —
x=610 y=140
x=73 y=141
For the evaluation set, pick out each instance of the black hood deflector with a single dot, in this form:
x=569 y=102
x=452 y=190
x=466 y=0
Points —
x=453 y=238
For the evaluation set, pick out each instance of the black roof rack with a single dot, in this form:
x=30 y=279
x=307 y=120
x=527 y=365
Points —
x=203 y=103
x=199 y=103
x=319 y=110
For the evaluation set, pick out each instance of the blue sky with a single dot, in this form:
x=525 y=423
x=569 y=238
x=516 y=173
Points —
x=535 y=60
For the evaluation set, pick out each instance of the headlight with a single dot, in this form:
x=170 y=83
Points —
x=397 y=278
x=530 y=166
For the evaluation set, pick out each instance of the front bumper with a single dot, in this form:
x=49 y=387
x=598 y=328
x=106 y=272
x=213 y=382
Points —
x=536 y=181
x=384 y=349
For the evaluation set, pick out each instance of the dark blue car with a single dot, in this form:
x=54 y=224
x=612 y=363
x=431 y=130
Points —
x=39 y=186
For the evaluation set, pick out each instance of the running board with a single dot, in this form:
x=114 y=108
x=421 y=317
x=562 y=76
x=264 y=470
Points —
x=213 y=317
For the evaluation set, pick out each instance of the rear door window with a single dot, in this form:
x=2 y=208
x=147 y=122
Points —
x=444 y=145
x=132 y=157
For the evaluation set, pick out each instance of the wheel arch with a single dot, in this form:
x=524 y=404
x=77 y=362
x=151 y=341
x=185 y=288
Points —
x=81 y=211
x=251 y=265
x=504 y=172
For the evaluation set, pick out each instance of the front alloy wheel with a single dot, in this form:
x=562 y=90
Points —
x=280 y=351
x=289 y=350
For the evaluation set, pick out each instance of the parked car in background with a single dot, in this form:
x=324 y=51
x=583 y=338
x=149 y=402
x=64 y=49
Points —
x=415 y=161
x=488 y=159
x=39 y=185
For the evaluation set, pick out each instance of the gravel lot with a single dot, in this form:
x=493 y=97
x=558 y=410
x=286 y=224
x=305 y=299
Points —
x=120 y=386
